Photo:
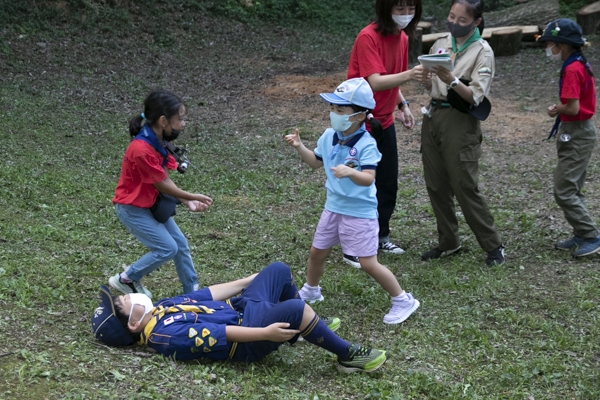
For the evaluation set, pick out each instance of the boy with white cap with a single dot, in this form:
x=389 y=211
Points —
x=349 y=155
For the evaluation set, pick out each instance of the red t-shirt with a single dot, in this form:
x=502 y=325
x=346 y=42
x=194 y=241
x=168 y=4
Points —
x=578 y=84
x=373 y=53
x=140 y=170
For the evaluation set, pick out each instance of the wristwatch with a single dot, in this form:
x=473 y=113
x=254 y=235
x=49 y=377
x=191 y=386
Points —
x=402 y=104
x=455 y=82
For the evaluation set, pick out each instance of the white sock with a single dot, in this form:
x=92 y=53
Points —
x=125 y=278
x=306 y=285
x=401 y=297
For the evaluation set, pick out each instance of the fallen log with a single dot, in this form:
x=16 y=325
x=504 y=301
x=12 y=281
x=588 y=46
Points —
x=528 y=33
x=589 y=18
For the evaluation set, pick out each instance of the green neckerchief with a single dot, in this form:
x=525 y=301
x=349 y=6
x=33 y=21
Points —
x=475 y=36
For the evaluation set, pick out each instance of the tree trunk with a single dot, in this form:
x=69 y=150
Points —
x=589 y=18
x=506 y=42
x=415 y=46
x=534 y=12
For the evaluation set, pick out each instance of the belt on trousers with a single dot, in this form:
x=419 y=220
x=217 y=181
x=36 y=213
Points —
x=440 y=103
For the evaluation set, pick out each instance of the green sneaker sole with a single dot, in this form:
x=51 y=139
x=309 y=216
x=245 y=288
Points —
x=371 y=366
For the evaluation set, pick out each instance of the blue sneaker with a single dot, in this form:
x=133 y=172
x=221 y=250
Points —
x=588 y=247
x=569 y=244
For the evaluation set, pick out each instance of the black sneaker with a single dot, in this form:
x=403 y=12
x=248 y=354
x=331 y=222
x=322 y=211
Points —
x=352 y=260
x=437 y=253
x=496 y=256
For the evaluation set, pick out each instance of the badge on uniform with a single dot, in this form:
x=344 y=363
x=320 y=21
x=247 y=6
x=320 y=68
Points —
x=212 y=341
x=199 y=342
x=169 y=320
x=192 y=332
x=205 y=332
x=565 y=137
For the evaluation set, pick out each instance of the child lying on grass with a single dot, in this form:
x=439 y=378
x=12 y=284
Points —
x=210 y=323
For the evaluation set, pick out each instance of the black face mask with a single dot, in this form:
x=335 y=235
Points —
x=170 y=137
x=459 y=31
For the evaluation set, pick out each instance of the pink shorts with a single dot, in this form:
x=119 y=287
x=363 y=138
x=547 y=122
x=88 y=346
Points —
x=358 y=236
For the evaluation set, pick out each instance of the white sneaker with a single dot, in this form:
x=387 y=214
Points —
x=126 y=288
x=389 y=247
x=401 y=310
x=310 y=294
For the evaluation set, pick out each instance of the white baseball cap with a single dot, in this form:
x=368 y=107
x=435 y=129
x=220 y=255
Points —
x=355 y=91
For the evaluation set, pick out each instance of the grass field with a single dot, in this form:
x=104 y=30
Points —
x=526 y=330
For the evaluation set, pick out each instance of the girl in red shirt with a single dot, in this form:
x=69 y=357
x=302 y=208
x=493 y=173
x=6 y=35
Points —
x=143 y=178
x=575 y=132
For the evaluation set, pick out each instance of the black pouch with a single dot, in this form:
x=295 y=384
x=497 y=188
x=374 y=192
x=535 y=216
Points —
x=164 y=207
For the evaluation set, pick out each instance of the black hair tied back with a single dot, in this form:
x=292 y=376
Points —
x=158 y=103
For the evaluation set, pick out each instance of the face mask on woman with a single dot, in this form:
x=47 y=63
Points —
x=552 y=56
x=402 y=21
x=459 y=31
x=141 y=300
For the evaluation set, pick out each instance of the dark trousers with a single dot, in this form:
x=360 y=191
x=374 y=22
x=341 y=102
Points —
x=386 y=180
x=271 y=297
x=451 y=147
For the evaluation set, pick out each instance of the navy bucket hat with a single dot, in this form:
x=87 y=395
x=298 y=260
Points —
x=106 y=325
x=563 y=30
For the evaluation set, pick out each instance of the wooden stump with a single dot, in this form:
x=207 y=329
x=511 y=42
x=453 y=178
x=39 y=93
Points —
x=415 y=46
x=506 y=42
x=589 y=18
x=426 y=26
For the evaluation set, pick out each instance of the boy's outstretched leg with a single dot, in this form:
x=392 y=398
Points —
x=351 y=357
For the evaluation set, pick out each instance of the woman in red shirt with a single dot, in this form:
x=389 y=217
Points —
x=143 y=178
x=380 y=55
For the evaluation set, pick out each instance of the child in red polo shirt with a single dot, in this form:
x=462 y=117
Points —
x=143 y=178
x=575 y=131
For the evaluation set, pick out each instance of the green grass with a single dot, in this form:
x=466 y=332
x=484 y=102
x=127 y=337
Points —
x=528 y=329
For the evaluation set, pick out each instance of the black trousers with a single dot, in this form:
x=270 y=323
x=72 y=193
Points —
x=386 y=180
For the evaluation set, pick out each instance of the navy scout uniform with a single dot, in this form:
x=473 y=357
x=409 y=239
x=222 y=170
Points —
x=193 y=325
x=451 y=148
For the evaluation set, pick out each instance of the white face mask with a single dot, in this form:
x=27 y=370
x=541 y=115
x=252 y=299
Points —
x=553 y=57
x=142 y=300
x=402 y=21
x=340 y=123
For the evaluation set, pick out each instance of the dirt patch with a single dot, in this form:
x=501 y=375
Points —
x=290 y=86
x=292 y=96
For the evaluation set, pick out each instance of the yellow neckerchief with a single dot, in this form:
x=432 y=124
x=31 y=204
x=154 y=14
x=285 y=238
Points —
x=161 y=311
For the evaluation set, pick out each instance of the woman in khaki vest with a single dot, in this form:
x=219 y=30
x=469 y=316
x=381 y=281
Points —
x=451 y=133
